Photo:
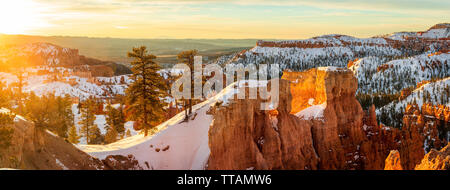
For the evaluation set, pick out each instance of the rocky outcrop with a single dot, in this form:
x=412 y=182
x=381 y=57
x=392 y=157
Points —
x=436 y=160
x=431 y=122
x=393 y=161
x=119 y=162
x=37 y=149
x=342 y=136
x=243 y=136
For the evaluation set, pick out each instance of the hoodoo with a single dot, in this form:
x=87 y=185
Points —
x=318 y=124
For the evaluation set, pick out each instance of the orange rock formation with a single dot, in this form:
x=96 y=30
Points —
x=344 y=137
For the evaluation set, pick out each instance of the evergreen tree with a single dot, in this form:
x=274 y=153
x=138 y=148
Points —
x=88 y=128
x=49 y=112
x=111 y=135
x=6 y=130
x=128 y=133
x=187 y=57
x=145 y=93
x=19 y=92
x=4 y=96
x=115 y=119
x=97 y=137
x=36 y=109
x=61 y=115
x=73 y=138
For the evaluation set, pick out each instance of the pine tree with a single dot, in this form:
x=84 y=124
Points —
x=187 y=57
x=128 y=133
x=144 y=94
x=115 y=119
x=19 y=94
x=61 y=118
x=87 y=120
x=111 y=135
x=97 y=137
x=4 y=96
x=73 y=136
x=37 y=109
x=6 y=130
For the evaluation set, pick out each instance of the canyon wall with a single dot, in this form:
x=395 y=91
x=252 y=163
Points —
x=37 y=149
x=434 y=160
x=341 y=136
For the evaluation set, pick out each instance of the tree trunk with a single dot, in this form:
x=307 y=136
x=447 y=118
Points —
x=185 y=109
x=145 y=131
x=190 y=106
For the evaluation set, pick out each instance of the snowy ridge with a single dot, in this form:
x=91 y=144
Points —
x=434 y=92
x=435 y=32
x=73 y=86
x=338 y=50
x=177 y=145
x=52 y=54
x=327 y=50
x=399 y=74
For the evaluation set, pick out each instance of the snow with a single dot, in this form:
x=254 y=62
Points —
x=51 y=133
x=100 y=121
x=7 y=111
x=311 y=101
x=431 y=34
x=400 y=73
x=327 y=50
x=312 y=112
x=4 y=111
x=438 y=95
x=187 y=141
x=73 y=86
x=332 y=69
x=439 y=86
x=61 y=164
x=436 y=33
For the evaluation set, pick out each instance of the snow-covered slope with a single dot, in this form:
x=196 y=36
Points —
x=179 y=144
x=100 y=121
x=338 y=50
x=298 y=59
x=435 y=32
x=71 y=85
x=376 y=75
x=435 y=93
x=41 y=54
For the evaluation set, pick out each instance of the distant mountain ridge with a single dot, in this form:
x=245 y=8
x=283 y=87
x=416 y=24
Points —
x=384 y=65
x=115 y=49
x=47 y=54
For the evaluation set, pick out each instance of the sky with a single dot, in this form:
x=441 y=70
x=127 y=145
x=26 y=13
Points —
x=225 y=19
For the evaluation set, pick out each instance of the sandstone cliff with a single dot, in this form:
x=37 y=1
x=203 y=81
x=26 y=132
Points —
x=36 y=149
x=318 y=125
x=393 y=161
x=436 y=160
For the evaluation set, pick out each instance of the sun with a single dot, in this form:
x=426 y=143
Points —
x=19 y=16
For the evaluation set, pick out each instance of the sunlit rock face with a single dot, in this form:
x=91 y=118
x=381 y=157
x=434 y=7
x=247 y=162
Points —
x=393 y=161
x=37 y=149
x=318 y=86
x=318 y=125
x=244 y=137
x=436 y=160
